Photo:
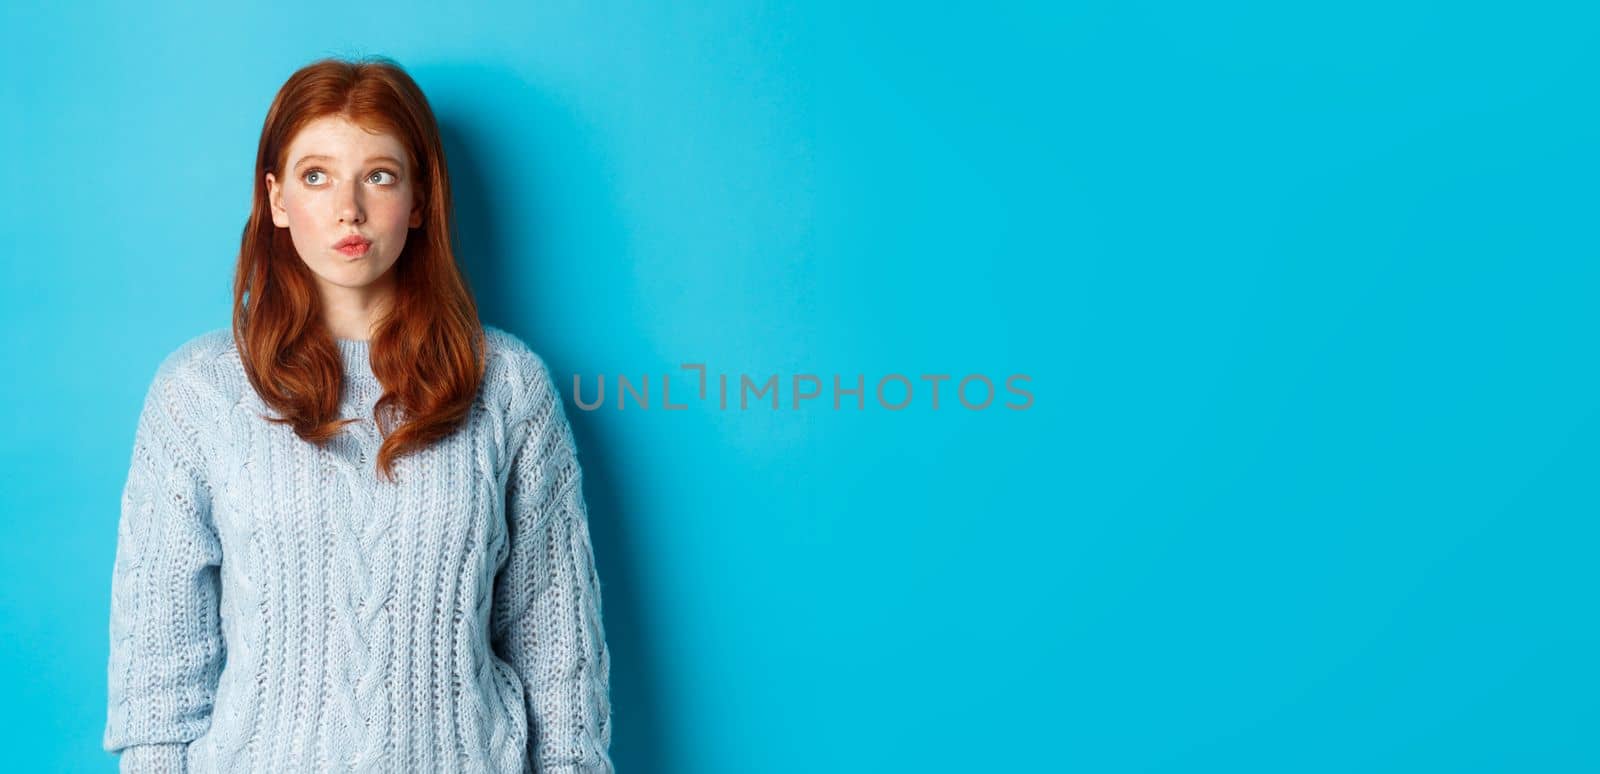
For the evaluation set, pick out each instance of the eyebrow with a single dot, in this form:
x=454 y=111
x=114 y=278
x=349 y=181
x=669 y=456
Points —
x=313 y=156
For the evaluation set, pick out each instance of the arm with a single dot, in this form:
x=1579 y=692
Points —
x=546 y=612
x=166 y=644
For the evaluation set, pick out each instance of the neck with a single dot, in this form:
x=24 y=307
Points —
x=351 y=313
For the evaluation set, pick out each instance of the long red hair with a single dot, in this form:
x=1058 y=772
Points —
x=429 y=348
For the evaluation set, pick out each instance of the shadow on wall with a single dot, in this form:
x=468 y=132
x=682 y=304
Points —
x=509 y=144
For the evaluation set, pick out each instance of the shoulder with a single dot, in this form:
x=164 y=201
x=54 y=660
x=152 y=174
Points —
x=510 y=348
x=200 y=368
x=513 y=365
x=518 y=379
x=182 y=401
x=196 y=354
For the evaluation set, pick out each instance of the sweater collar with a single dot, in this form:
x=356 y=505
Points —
x=356 y=355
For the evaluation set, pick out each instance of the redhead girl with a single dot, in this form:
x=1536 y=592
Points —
x=353 y=534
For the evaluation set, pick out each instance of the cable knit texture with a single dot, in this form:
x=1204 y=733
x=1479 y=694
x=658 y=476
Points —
x=277 y=607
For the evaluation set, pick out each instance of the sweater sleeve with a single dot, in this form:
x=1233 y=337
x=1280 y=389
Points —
x=546 y=611
x=166 y=651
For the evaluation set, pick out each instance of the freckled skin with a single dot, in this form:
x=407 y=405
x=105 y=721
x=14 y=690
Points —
x=321 y=201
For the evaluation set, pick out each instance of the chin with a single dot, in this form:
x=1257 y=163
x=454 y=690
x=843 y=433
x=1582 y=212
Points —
x=359 y=282
x=347 y=279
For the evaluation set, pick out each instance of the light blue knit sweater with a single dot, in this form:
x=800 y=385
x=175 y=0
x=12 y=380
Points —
x=276 y=607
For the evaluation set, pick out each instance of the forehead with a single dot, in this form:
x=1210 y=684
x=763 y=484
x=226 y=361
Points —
x=343 y=141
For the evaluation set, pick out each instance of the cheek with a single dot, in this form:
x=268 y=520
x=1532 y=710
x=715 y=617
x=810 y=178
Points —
x=301 y=209
x=396 y=207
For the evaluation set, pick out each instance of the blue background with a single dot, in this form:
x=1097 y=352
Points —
x=1307 y=292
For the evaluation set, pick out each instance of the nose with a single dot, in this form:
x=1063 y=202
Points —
x=350 y=209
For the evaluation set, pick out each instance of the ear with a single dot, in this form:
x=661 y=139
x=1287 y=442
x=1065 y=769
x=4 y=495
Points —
x=280 y=216
x=416 y=215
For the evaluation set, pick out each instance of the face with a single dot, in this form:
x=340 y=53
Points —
x=340 y=181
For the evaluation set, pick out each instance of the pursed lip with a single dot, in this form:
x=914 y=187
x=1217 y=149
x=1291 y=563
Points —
x=353 y=239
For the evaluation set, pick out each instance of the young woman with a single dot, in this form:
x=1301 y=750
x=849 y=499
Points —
x=353 y=535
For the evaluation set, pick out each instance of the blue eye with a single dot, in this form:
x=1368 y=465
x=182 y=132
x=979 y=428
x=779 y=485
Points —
x=383 y=172
x=309 y=174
